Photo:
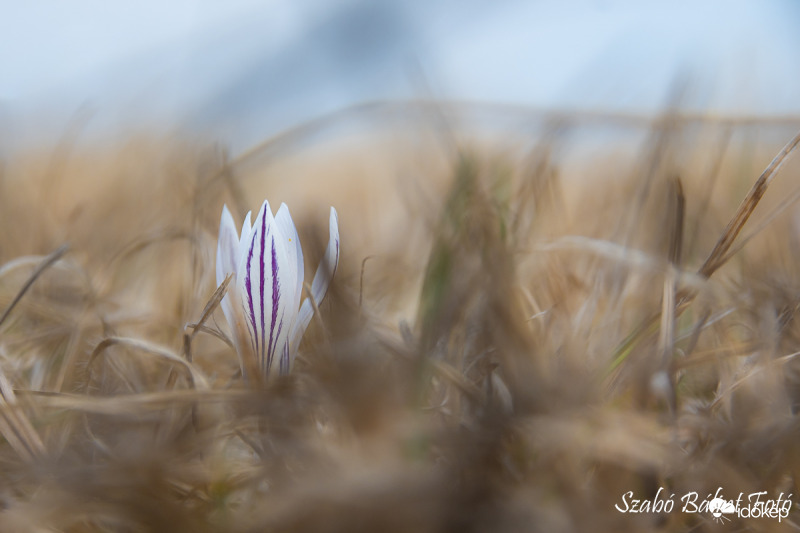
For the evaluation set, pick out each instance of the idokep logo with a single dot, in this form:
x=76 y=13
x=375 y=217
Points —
x=753 y=505
x=719 y=508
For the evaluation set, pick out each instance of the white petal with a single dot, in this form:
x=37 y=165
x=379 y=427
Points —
x=263 y=286
x=227 y=246
x=227 y=261
x=291 y=282
x=319 y=287
x=292 y=242
x=247 y=227
x=327 y=267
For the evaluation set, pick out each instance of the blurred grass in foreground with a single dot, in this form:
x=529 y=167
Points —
x=519 y=333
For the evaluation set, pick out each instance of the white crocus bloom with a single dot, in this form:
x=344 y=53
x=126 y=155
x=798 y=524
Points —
x=262 y=305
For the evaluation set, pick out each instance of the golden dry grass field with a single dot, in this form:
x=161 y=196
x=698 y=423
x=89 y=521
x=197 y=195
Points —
x=522 y=335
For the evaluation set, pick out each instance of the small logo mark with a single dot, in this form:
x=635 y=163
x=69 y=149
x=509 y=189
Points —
x=719 y=507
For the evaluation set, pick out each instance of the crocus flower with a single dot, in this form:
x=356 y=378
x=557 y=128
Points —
x=262 y=305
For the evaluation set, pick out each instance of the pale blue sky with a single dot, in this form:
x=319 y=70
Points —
x=244 y=69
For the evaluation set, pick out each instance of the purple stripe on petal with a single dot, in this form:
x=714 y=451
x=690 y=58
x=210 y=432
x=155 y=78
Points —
x=261 y=287
x=336 y=265
x=276 y=288
x=249 y=286
x=284 y=366
x=277 y=336
x=251 y=330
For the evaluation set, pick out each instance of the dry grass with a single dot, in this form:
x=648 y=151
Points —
x=518 y=335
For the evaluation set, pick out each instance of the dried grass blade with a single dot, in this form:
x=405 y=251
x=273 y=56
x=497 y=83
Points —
x=197 y=379
x=212 y=304
x=132 y=404
x=778 y=211
x=44 y=265
x=718 y=255
x=666 y=338
x=452 y=375
x=668 y=310
x=16 y=427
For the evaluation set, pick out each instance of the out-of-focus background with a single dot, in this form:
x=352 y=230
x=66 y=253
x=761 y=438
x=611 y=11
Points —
x=242 y=70
x=540 y=305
